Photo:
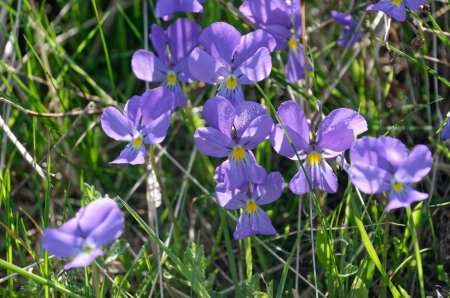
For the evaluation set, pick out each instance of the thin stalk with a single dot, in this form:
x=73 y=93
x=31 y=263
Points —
x=230 y=256
x=248 y=258
x=96 y=281
x=299 y=221
x=416 y=250
x=384 y=255
x=312 y=243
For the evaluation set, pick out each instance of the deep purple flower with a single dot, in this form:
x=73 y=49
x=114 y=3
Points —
x=97 y=224
x=283 y=22
x=170 y=65
x=351 y=32
x=396 y=8
x=230 y=59
x=383 y=164
x=336 y=134
x=445 y=133
x=165 y=8
x=145 y=121
x=233 y=132
x=250 y=196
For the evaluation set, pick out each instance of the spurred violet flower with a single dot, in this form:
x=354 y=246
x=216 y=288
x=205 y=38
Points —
x=283 y=22
x=233 y=132
x=165 y=8
x=351 y=33
x=383 y=164
x=170 y=65
x=336 y=134
x=250 y=196
x=97 y=224
x=396 y=8
x=230 y=59
x=145 y=121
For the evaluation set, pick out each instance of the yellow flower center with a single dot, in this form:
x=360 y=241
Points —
x=314 y=158
x=137 y=142
x=397 y=186
x=293 y=44
x=397 y=2
x=231 y=82
x=250 y=206
x=171 y=78
x=238 y=153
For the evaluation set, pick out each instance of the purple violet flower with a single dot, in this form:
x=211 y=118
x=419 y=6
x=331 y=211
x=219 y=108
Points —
x=351 y=32
x=283 y=22
x=233 y=132
x=336 y=134
x=166 y=8
x=97 y=224
x=250 y=196
x=445 y=133
x=170 y=65
x=230 y=59
x=145 y=121
x=383 y=164
x=396 y=8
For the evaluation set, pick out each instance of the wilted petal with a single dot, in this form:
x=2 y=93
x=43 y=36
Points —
x=219 y=113
x=251 y=43
x=270 y=190
x=211 y=141
x=230 y=199
x=369 y=178
x=158 y=38
x=84 y=259
x=116 y=126
x=255 y=68
x=204 y=67
x=156 y=102
x=147 y=67
x=404 y=198
x=221 y=41
x=131 y=155
x=416 y=166
x=397 y=12
x=61 y=244
x=183 y=37
x=256 y=132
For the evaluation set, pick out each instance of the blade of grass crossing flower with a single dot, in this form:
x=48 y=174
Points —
x=178 y=264
x=416 y=250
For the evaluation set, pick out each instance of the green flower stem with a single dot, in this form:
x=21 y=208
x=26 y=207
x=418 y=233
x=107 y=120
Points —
x=416 y=250
x=96 y=281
